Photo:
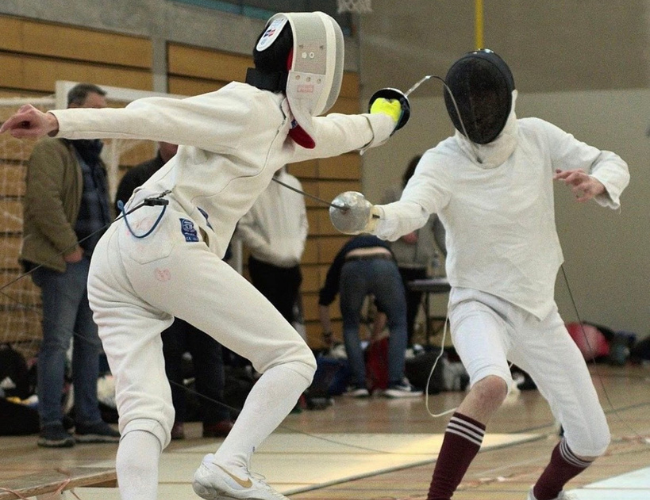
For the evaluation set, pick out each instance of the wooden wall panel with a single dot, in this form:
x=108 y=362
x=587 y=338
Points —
x=311 y=281
x=19 y=326
x=12 y=177
x=68 y=42
x=11 y=216
x=310 y=187
x=304 y=169
x=347 y=166
x=325 y=226
x=12 y=74
x=328 y=246
x=9 y=251
x=314 y=219
x=350 y=85
x=192 y=86
x=328 y=190
x=206 y=63
x=310 y=255
x=347 y=106
x=12 y=34
x=40 y=74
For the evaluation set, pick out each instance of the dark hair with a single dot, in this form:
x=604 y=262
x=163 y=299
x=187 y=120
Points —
x=77 y=94
x=274 y=58
x=410 y=169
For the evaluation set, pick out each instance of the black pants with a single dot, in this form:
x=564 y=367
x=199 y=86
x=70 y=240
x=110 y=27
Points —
x=207 y=364
x=413 y=298
x=280 y=285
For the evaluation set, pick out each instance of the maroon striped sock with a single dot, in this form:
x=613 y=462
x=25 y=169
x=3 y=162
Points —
x=564 y=465
x=462 y=441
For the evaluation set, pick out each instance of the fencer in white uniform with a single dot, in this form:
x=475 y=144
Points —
x=164 y=260
x=491 y=184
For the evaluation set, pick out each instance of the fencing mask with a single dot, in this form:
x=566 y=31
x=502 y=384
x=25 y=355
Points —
x=482 y=85
x=308 y=47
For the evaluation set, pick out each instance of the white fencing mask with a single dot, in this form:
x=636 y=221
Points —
x=314 y=65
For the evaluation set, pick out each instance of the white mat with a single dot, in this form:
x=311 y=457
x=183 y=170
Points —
x=294 y=463
x=631 y=486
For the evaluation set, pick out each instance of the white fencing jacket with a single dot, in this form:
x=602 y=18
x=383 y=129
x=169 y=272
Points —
x=231 y=143
x=499 y=214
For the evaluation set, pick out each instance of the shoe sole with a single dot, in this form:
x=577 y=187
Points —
x=211 y=493
x=96 y=438
x=66 y=443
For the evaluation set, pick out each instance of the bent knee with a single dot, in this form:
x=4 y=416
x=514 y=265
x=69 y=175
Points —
x=161 y=429
x=296 y=355
x=492 y=388
x=592 y=447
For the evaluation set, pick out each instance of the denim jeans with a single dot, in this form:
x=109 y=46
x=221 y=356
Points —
x=67 y=316
x=381 y=278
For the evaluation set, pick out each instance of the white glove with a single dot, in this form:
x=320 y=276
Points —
x=353 y=214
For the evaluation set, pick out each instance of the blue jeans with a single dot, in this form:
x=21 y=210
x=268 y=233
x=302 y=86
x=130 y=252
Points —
x=381 y=278
x=67 y=316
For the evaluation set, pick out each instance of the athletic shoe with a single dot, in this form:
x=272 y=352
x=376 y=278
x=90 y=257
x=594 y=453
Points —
x=356 y=392
x=562 y=496
x=214 y=482
x=100 y=432
x=55 y=436
x=402 y=390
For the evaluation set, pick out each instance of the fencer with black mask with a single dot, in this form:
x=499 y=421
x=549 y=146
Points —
x=491 y=184
x=167 y=262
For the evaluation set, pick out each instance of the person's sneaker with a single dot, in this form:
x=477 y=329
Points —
x=355 y=391
x=562 y=496
x=55 y=436
x=402 y=390
x=100 y=432
x=178 y=431
x=218 y=429
x=212 y=482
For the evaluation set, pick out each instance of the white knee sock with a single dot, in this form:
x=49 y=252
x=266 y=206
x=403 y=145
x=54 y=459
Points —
x=137 y=465
x=272 y=398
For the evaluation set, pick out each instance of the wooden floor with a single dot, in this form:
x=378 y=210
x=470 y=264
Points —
x=503 y=474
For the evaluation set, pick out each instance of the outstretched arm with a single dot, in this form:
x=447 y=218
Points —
x=29 y=122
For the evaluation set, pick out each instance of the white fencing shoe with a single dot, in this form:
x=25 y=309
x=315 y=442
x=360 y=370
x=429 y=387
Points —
x=213 y=482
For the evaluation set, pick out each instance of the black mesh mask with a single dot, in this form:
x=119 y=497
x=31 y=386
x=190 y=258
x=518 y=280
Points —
x=482 y=85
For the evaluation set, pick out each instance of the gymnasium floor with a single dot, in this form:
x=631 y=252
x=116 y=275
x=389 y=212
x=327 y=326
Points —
x=380 y=449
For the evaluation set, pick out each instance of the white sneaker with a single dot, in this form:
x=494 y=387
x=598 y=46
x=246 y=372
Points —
x=213 y=482
x=562 y=496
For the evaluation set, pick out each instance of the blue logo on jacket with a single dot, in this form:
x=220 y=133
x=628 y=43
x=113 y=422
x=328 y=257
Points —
x=187 y=228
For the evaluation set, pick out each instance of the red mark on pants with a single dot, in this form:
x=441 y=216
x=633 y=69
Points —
x=162 y=274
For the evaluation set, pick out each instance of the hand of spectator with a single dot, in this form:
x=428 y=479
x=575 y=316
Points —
x=410 y=238
x=30 y=122
x=583 y=186
x=75 y=256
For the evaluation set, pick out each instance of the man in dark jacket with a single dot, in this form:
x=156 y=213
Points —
x=66 y=206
